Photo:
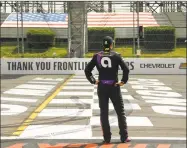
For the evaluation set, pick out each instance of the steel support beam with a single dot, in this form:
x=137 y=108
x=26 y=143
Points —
x=77 y=28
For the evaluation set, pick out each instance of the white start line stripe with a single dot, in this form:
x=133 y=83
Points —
x=133 y=138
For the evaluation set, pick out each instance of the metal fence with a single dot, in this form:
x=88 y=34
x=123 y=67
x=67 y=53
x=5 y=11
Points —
x=128 y=18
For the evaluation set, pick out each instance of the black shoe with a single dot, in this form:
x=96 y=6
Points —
x=106 y=141
x=125 y=139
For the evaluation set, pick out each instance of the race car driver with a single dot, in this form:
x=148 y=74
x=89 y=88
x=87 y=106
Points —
x=107 y=63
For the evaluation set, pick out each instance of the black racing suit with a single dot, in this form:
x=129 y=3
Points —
x=108 y=76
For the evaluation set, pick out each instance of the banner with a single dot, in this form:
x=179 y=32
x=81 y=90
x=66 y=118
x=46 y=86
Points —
x=77 y=65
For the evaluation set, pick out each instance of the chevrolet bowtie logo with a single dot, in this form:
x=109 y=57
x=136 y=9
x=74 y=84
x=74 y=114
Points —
x=183 y=66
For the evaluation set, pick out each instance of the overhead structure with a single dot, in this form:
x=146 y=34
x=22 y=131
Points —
x=98 y=6
x=159 y=6
x=77 y=28
x=182 y=6
x=34 y=6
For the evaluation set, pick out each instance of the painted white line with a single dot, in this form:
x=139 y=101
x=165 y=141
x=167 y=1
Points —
x=79 y=83
x=75 y=93
x=145 y=83
x=126 y=106
x=39 y=87
x=39 y=82
x=134 y=78
x=149 y=138
x=158 y=93
x=48 y=79
x=165 y=100
x=170 y=110
x=71 y=101
x=125 y=97
x=133 y=138
x=131 y=121
x=18 y=99
x=79 y=77
x=9 y=137
x=7 y=109
x=78 y=87
x=58 y=131
x=155 y=87
x=78 y=80
x=145 y=80
x=26 y=92
x=66 y=113
x=59 y=79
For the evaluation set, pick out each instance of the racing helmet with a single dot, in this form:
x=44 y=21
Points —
x=107 y=42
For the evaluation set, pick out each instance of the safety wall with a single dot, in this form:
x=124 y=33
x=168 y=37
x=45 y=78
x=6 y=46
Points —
x=77 y=65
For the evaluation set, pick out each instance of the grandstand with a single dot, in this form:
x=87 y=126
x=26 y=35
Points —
x=162 y=19
x=3 y=17
x=123 y=22
x=177 y=19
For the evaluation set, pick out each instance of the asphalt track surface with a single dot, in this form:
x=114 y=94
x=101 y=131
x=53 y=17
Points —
x=56 y=110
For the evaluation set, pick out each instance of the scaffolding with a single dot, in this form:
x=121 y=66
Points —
x=77 y=26
x=97 y=6
x=160 y=6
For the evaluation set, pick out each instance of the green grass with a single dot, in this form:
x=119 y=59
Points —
x=127 y=52
x=11 y=52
